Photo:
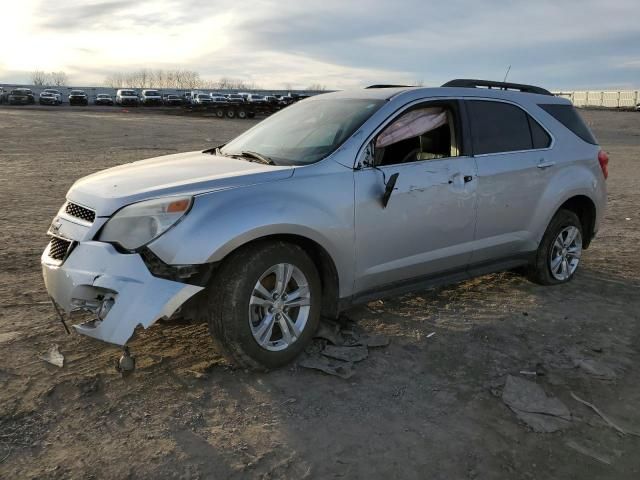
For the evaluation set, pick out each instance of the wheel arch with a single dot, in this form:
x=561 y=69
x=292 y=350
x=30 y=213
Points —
x=585 y=209
x=321 y=258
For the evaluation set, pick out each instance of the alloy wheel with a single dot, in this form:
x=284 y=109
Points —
x=565 y=253
x=279 y=307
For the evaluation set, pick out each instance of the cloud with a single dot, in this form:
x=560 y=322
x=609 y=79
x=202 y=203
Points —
x=337 y=43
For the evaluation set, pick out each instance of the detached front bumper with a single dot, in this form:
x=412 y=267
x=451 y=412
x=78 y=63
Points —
x=117 y=287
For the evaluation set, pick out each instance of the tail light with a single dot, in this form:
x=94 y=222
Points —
x=603 y=159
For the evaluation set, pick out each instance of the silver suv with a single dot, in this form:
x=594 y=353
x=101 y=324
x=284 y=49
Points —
x=339 y=199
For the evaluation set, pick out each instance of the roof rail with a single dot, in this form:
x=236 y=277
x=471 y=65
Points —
x=389 y=86
x=470 y=83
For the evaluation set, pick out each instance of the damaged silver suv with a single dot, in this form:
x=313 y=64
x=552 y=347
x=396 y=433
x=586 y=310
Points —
x=336 y=200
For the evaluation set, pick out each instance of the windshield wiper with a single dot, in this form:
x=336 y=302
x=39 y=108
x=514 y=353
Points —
x=257 y=156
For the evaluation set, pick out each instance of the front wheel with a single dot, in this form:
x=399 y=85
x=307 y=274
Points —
x=263 y=306
x=559 y=252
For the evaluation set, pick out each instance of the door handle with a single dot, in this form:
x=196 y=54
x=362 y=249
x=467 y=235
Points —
x=468 y=178
x=544 y=164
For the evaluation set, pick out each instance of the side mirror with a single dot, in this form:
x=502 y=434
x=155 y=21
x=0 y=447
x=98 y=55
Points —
x=388 y=189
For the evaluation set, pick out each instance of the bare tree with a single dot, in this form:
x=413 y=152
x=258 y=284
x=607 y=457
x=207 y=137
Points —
x=317 y=87
x=38 y=78
x=58 y=79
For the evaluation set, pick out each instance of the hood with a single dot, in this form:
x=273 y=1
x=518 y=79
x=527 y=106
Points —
x=182 y=173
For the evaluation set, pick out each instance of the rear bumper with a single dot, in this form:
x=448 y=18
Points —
x=117 y=288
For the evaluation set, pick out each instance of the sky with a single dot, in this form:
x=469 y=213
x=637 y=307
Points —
x=558 y=44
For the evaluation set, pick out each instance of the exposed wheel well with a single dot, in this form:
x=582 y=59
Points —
x=585 y=209
x=323 y=262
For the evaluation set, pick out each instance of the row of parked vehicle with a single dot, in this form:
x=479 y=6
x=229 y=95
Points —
x=147 y=97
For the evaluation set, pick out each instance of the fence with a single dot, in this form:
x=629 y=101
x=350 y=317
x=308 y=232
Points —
x=607 y=99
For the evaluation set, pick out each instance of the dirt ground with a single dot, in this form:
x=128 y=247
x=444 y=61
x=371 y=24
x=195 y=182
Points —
x=423 y=407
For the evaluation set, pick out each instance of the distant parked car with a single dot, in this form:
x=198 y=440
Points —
x=202 y=99
x=51 y=91
x=78 y=97
x=235 y=98
x=172 y=100
x=21 y=96
x=3 y=95
x=218 y=98
x=186 y=98
x=256 y=99
x=104 y=99
x=125 y=96
x=150 y=97
x=638 y=107
x=48 y=98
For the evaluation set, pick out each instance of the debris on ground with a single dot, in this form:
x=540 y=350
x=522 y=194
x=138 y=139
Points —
x=587 y=452
x=531 y=404
x=53 y=356
x=346 y=354
x=596 y=369
x=330 y=331
x=338 y=345
x=431 y=334
x=328 y=366
x=607 y=420
x=8 y=336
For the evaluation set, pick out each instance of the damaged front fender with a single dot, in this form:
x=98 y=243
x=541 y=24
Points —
x=117 y=287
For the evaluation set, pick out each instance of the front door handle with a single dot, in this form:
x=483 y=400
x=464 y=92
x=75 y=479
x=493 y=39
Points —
x=468 y=178
x=544 y=164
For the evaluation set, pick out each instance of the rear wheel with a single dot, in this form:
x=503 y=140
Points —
x=219 y=112
x=558 y=255
x=231 y=113
x=263 y=306
x=242 y=114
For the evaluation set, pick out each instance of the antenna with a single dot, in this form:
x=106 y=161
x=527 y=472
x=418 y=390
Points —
x=507 y=74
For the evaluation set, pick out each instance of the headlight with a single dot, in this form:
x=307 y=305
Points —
x=139 y=223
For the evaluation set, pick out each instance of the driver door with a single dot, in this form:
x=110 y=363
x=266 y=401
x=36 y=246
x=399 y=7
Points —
x=427 y=228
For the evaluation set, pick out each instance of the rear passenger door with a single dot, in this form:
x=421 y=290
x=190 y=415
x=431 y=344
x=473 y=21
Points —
x=511 y=150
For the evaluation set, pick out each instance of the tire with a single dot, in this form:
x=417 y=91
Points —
x=235 y=311
x=242 y=114
x=231 y=113
x=556 y=245
x=219 y=112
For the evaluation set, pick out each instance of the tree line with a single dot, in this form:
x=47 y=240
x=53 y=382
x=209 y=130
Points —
x=177 y=79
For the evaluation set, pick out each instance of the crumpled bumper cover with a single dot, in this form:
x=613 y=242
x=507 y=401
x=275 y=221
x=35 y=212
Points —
x=95 y=272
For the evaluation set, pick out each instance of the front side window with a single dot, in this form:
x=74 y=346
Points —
x=426 y=132
x=305 y=132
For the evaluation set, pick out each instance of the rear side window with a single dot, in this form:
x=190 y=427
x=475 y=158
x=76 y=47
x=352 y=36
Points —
x=569 y=117
x=498 y=127
x=539 y=136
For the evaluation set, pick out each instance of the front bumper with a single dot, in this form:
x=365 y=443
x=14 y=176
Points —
x=95 y=275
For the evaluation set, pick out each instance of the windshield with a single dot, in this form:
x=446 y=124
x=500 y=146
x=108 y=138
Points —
x=151 y=93
x=52 y=91
x=77 y=92
x=202 y=95
x=127 y=93
x=305 y=132
x=20 y=92
x=103 y=95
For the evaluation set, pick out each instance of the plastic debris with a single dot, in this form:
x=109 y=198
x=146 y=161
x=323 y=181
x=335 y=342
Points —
x=53 y=356
x=531 y=404
x=330 y=332
x=431 y=334
x=346 y=354
x=603 y=416
x=331 y=367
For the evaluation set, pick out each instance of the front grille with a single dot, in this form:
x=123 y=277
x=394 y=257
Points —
x=81 y=212
x=58 y=248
